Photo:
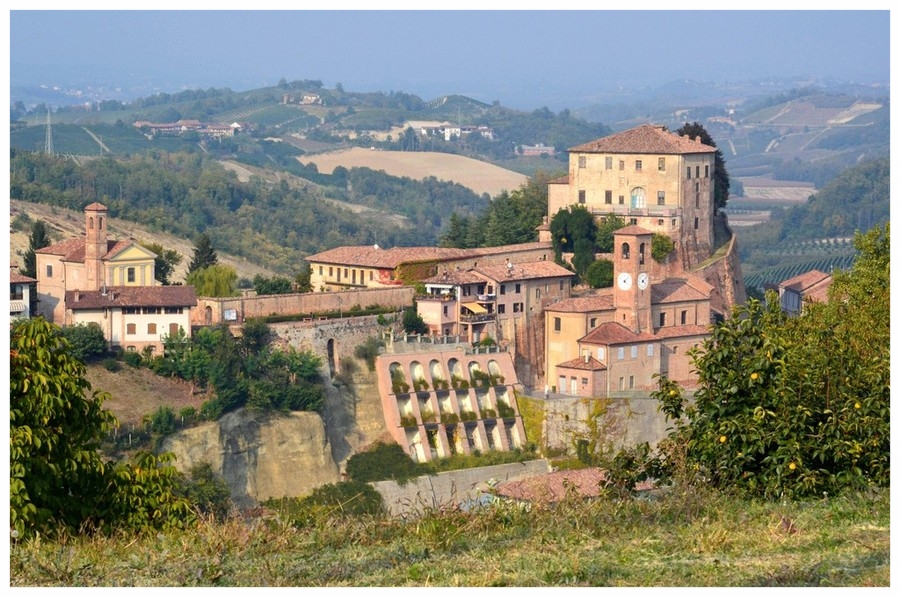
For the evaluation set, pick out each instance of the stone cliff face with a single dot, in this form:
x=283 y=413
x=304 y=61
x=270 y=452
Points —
x=260 y=455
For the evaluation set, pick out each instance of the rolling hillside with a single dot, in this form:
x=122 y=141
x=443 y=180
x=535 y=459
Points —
x=479 y=176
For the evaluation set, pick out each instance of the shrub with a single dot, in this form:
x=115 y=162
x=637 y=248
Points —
x=369 y=350
x=112 y=365
x=132 y=359
x=208 y=491
x=86 y=341
x=383 y=461
x=506 y=411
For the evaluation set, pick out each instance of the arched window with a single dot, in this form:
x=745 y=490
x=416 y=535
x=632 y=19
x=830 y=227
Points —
x=638 y=200
x=641 y=254
x=626 y=251
x=91 y=223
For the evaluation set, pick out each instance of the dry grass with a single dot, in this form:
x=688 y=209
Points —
x=137 y=392
x=479 y=176
x=680 y=540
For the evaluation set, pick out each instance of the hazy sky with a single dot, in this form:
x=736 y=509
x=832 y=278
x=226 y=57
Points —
x=524 y=59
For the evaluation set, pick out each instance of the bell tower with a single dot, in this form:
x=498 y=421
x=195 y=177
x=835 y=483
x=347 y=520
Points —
x=95 y=245
x=631 y=286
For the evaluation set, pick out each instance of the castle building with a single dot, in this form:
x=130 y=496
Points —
x=618 y=338
x=650 y=177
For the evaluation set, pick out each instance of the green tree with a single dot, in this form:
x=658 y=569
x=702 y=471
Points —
x=571 y=225
x=584 y=255
x=37 y=240
x=605 y=228
x=58 y=480
x=215 y=280
x=721 y=180
x=204 y=254
x=274 y=285
x=795 y=406
x=599 y=274
x=661 y=247
x=413 y=322
x=165 y=262
x=86 y=341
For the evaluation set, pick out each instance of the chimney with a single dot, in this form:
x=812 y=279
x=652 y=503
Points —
x=77 y=296
x=587 y=357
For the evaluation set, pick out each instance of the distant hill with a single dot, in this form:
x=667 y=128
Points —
x=479 y=176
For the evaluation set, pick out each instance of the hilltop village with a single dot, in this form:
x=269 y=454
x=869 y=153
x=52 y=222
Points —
x=500 y=320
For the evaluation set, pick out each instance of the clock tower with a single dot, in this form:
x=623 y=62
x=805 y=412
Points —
x=631 y=286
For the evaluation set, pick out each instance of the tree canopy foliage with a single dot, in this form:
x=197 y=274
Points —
x=58 y=479
x=216 y=280
x=795 y=406
x=246 y=371
x=510 y=218
x=37 y=240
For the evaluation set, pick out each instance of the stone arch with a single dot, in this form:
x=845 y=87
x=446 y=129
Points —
x=437 y=370
x=416 y=370
x=332 y=362
x=455 y=368
x=208 y=314
x=626 y=251
x=493 y=367
x=473 y=367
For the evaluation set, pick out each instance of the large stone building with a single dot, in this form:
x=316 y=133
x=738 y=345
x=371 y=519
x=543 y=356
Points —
x=357 y=267
x=650 y=177
x=617 y=339
x=95 y=279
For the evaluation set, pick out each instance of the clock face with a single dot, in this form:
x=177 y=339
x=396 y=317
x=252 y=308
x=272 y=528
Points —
x=643 y=280
x=624 y=281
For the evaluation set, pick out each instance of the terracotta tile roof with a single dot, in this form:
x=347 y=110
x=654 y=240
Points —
x=62 y=248
x=613 y=333
x=632 y=230
x=370 y=256
x=366 y=256
x=580 y=364
x=561 y=180
x=553 y=487
x=601 y=301
x=15 y=278
x=457 y=278
x=532 y=270
x=503 y=249
x=681 y=331
x=73 y=249
x=95 y=207
x=647 y=138
x=675 y=290
x=805 y=281
x=132 y=296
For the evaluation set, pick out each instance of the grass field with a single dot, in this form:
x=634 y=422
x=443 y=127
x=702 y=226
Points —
x=682 y=538
x=481 y=177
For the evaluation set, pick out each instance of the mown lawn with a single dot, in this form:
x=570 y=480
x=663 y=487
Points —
x=683 y=538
